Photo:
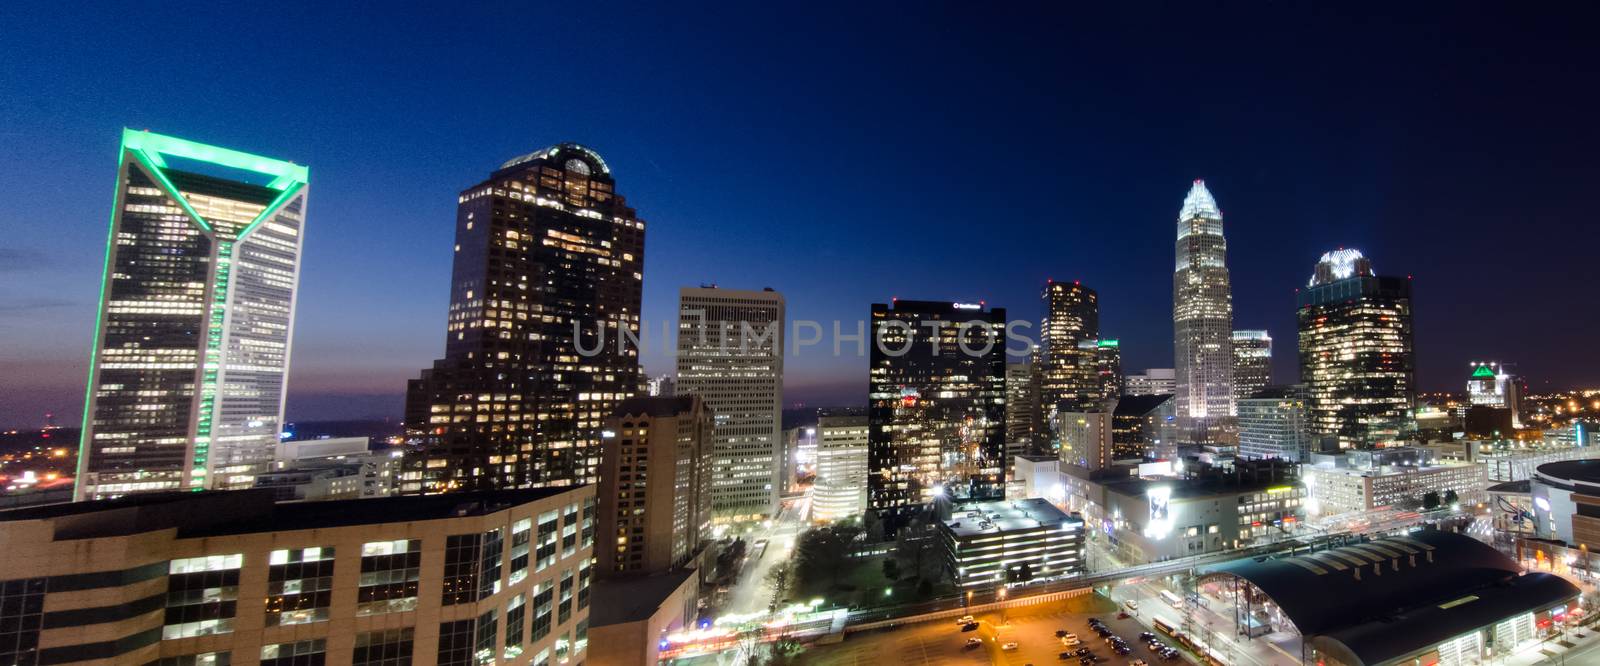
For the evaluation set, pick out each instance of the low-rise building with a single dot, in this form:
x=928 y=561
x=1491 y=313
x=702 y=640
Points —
x=1212 y=509
x=331 y=469
x=233 y=577
x=1401 y=478
x=1428 y=597
x=1566 y=502
x=996 y=542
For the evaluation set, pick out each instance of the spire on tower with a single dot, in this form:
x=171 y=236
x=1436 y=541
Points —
x=1199 y=203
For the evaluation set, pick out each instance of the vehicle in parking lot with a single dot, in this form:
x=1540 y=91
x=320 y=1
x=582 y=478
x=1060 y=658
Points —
x=970 y=626
x=1061 y=633
x=1146 y=636
x=1071 y=642
x=1138 y=662
x=1083 y=651
x=974 y=642
x=1009 y=647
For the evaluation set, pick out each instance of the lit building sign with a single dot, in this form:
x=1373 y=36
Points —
x=967 y=306
x=1160 y=522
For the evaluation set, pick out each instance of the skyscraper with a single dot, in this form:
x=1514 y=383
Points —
x=1070 y=379
x=655 y=485
x=1021 y=407
x=730 y=353
x=1202 y=316
x=1252 y=363
x=1108 y=361
x=936 y=406
x=191 y=350
x=549 y=260
x=1355 y=350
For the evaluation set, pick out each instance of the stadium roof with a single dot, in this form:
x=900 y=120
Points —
x=1383 y=599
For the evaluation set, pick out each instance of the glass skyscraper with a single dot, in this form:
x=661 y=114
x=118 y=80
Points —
x=1202 y=317
x=191 y=351
x=549 y=262
x=936 y=406
x=1070 y=375
x=1252 y=363
x=1355 y=351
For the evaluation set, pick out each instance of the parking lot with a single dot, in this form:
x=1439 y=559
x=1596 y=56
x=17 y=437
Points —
x=1032 y=628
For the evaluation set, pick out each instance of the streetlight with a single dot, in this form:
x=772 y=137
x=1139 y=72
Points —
x=967 y=603
x=1002 y=606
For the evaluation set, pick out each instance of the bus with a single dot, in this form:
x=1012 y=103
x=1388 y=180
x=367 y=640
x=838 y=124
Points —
x=1165 y=628
x=1172 y=599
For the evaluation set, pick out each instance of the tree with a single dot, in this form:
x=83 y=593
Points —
x=820 y=553
x=1430 y=500
x=1025 y=572
x=1450 y=497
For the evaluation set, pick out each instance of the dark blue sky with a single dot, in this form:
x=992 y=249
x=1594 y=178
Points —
x=842 y=155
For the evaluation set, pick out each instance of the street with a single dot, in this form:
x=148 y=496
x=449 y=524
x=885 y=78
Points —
x=751 y=593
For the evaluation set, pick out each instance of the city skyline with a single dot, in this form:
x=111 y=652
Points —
x=375 y=278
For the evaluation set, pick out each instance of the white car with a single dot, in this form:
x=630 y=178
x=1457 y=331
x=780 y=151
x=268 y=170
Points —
x=1138 y=662
x=965 y=619
x=1009 y=647
x=1069 y=636
x=1071 y=641
x=1131 y=604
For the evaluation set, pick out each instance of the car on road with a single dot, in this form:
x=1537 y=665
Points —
x=1008 y=647
x=974 y=642
x=970 y=626
x=1131 y=604
x=965 y=619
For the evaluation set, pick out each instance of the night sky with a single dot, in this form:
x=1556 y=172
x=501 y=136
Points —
x=842 y=156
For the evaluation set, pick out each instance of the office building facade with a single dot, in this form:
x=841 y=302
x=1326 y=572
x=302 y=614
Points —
x=655 y=485
x=1022 y=407
x=231 y=577
x=1069 y=377
x=1202 y=316
x=1143 y=426
x=1108 y=361
x=1252 y=363
x=936 y=406
x=1154 y=381
x=191 y=351
x=730 y=353
x=1275 y=423
x=1355 y=351
x=840 y=489
x=546 y=281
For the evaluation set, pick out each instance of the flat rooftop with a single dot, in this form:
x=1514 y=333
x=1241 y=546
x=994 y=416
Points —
x=625 y=600
x=1000 y=516
x=216 y=513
